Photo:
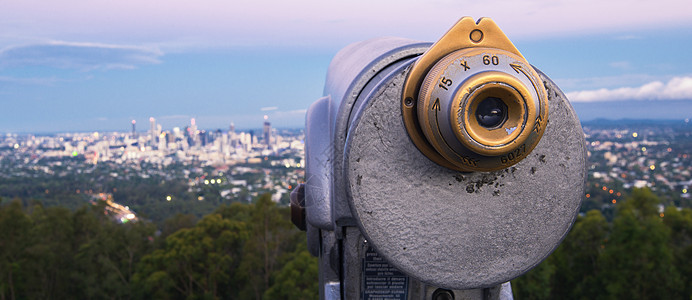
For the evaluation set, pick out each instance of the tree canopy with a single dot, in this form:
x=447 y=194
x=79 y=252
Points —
x=240 y=251
x=643 y=254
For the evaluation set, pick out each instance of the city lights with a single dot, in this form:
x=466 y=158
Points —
x=650 y=156
x=115 y=210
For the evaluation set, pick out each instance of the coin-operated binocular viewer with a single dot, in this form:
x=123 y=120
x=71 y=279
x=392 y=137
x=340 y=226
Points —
x=437 y=171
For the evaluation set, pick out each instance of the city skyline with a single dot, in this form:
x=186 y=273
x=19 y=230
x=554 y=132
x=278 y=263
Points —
x=140 y=127
x=74 y=65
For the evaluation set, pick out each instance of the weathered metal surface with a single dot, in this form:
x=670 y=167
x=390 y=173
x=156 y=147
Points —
x=452 y=229
x=348 y=74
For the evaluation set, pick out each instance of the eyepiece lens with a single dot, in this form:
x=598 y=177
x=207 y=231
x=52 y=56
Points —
x=491 y=113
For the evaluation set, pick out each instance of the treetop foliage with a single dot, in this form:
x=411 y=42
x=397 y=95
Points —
x=643 y=254
x=240 y=251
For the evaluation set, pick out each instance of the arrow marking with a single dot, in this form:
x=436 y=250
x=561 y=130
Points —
x=436 y=104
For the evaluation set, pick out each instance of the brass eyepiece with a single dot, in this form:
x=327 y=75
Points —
x=472 y=102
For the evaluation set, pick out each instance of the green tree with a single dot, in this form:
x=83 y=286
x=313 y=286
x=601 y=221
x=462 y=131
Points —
x=50 y=254
x=571 y=272
x=298 y=279
x=637 y=261
x=680 y=224
x=577 y=259
x=106 y=253
x=240 y=251
x=197 y=262
x=15 y=226
x=536 y=283
x=272 y=235
x=173 y=224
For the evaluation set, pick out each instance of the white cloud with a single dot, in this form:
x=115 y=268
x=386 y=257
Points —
x=677 y=88
x=81 y=56
x=616 y=81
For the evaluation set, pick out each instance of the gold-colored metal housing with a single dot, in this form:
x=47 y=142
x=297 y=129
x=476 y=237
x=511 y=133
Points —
x=470 y=63
x=492 y=141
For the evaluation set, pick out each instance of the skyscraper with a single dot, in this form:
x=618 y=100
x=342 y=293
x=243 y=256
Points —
x=232 y=137
x=153 y=134
x=134 y=134
x=267 y=131
x=194 y=134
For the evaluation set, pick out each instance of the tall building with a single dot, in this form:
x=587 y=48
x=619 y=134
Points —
x=163 y=139
x=153 y=134
x=134 y=133
x=231 y=135
x=194 y=133
x=267 y=131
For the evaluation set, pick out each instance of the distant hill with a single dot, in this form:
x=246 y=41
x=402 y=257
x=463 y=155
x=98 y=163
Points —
x=638 y=110
x=630 y=123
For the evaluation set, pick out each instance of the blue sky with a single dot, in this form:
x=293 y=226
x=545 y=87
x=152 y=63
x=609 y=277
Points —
x=77 y=65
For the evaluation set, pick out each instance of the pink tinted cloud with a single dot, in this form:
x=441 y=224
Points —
x=299 y=23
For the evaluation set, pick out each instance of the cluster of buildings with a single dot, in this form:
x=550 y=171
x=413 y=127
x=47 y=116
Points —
x=239 y=164
x=657 y=156
x=244 y=164
x=214 y=147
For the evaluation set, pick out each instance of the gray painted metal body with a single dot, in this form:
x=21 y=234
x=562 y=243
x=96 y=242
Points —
x=318 y=170
x=326 y=127
x=327 y=120
x=367 y=181
x=348 y=74
x=461 y=230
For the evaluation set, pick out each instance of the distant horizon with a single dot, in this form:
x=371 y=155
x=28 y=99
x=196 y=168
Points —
x=143 y=131
x=588 y=112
